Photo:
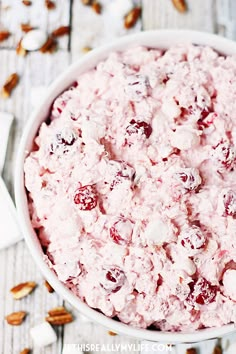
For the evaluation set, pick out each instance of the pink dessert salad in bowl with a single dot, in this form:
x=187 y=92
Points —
x=132 y=187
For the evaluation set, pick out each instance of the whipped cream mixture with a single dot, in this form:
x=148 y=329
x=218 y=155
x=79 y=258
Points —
x=132 y=187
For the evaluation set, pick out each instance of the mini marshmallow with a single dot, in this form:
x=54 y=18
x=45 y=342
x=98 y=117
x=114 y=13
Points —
x=43 y=335
x=71 y=349
x=229 y=281
x=185 y=264
x=34 y=40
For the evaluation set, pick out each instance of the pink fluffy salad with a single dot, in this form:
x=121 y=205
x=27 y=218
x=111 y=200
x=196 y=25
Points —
x=132 y=187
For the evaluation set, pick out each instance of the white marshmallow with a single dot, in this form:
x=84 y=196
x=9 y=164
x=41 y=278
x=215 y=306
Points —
x=170 y=108
x=229 y=281
x=34 y=40
x=158 y=232
x=185 y=264
x=184 y=139
x=43 y=335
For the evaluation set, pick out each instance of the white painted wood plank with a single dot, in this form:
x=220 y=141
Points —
x=14 y=13
x=92 y=30
x=162 y=14
x=226 y=18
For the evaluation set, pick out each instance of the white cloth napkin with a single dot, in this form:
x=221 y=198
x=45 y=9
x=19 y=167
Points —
x=10 y=232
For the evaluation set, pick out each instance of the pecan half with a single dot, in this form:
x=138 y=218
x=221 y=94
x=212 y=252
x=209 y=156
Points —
x=191 y=351
x=113 y=334
x=50 y=46
x=180 y=5
x=217 y=350
x=59 y=316
x=50 y=5
x=61 y=31
x=16 y=318
x=20 y=50
x=132 y=17
x=23 y=290
x=97 y=7
x=27 y=2
x=25 y=351
x=87 y=2
x=48 y=286
x=26 y=27
x=4 y=35
x=9 y=85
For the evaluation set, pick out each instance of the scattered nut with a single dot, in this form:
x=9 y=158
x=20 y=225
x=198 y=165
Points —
x=87 y=2
x=97 y=7
x=25 y=351
x=26 y=27
x=48 y=286
x=61 y=31
x=9 y=85
x=20 y=50
x=4 y=35
x=27 y=2
x=16 y=318
x=113 y=334
x=59 y=316
x=132 y=17
x=217 y=350
x=22 y=289
x=86 y=49
x=50 y=5
x=180 y=5
x=50 y=46
x=191 y=351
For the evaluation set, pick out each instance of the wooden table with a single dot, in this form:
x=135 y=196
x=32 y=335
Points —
x=36 y=69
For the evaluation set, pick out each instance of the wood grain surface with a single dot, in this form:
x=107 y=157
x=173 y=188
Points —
x=37 y=70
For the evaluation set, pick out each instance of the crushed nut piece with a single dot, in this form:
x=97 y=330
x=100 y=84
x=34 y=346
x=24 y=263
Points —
x=87 y=2
x=26 y=27
x=50 y=46
x=50 y=5
x=16 y=318
x=61 y=31
x=9 y=85
x=20 y=50
x=97 y=7
x=217 y=350
x=4 y=35
x=48 y=286
x=191 y=351
x=25 y=351
x=132 y=17
x=113 y=334
x=27 y=2
x=22 y=289
x=180 y=5
x=59 y=316
x=86 y=49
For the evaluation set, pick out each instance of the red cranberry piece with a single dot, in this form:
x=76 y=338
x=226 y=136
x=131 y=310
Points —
x=122 y=172
x=137 y=127
x=202 y=292
x=207 y=118
x=229 y=200
x=113 y=279
x=62 y=141
x=192 y=238
x=224 y=154
x=189 y=178
x=121 y=231
x=86 y=198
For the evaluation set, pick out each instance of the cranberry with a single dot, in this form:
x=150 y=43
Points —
x=192 y=239
x=121 y=231
x=207 y=118
x=224 y=154
x=62 y=141
x=113 y=279
x=137 y=127
x=229 y=200
x=202 y=292
x=122 y=171
x=86 y=198
x=189 y=178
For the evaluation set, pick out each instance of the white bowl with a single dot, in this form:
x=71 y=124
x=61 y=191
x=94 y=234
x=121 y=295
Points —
x=159 y=39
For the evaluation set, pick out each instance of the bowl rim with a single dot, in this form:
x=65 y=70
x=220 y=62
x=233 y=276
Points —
x=155 y=38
